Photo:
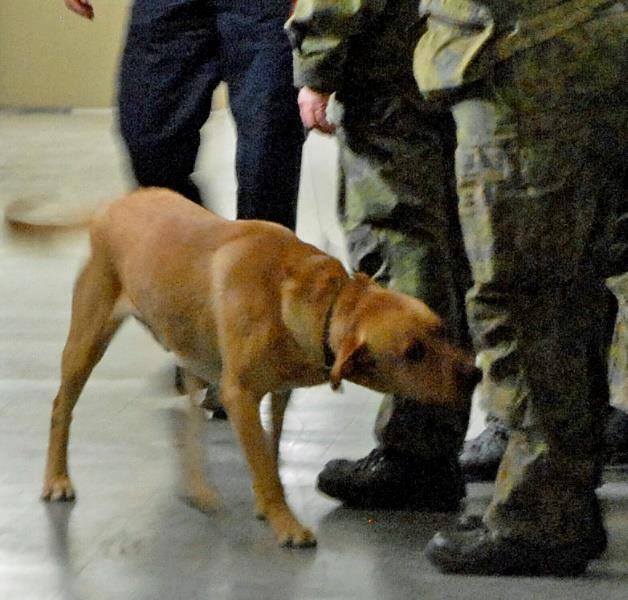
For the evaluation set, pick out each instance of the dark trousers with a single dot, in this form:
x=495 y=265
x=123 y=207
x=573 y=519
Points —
x=176 y=53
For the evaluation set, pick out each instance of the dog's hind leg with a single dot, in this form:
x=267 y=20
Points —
x=278 y=404
x=196 y=489
x=92 y=326
x=243 y=408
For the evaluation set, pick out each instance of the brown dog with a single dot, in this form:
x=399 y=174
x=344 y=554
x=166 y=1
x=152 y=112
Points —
x=247 y=304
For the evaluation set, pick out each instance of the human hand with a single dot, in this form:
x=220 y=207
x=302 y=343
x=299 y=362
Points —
x=81 y=7
x=312 y=106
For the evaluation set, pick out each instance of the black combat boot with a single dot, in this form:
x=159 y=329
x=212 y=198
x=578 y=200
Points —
x=393 y=481
x=478 y=551
x=471 y=548
x=480 y=457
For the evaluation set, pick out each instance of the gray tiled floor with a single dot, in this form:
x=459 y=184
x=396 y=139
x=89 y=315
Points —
x=129 y=536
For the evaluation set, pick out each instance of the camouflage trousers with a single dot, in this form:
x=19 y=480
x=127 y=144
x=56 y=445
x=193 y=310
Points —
x=540 y=173
x=398 y=208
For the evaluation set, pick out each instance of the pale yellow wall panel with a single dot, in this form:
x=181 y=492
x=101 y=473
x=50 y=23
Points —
x=51 y=57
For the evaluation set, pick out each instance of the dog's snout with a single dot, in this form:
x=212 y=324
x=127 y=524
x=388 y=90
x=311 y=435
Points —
x=468 y=377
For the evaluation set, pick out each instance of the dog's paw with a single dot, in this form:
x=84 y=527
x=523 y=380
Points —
x=290 y=533
x=300 y=538
x=58 y=489
x=202 y=497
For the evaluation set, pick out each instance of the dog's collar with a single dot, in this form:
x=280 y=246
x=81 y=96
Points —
x=330 y=357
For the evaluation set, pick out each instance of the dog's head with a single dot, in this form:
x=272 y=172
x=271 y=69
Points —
x=395 y=344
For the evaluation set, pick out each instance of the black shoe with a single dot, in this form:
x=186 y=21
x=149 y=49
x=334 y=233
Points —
x=391 y=481
x=616 y=439
x=478 y=551
x=480 y=457
x=220 y=414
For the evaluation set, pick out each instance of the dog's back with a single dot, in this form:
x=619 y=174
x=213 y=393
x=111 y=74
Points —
x=174 y=260
x=159 y=223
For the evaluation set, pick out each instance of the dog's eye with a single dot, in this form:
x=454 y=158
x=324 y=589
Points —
x=415 y=351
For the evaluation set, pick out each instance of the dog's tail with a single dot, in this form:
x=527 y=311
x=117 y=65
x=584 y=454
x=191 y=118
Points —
x=40 y=216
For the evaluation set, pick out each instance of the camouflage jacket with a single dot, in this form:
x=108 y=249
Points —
x=464 y=38
x=355 y=47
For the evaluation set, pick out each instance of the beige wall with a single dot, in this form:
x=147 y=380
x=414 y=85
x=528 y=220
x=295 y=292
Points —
x=50 y=57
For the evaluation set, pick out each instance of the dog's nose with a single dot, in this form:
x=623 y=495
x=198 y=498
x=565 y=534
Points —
x=475 y=377
x=471 y=376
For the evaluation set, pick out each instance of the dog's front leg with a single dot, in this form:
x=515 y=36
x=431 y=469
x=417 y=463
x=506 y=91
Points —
x=243 y=408
x=195 y=487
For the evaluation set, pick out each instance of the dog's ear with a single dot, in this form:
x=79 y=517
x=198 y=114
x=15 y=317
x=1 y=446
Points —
x=353 y=356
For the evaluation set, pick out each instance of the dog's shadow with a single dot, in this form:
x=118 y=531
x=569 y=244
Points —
x=58 y=515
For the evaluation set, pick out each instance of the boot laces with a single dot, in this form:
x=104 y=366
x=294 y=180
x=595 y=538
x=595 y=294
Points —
x=371 y=461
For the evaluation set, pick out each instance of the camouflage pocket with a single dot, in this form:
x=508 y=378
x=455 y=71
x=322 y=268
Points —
x=447 y=55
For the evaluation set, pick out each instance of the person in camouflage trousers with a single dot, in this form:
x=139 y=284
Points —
x=481 y=456
x=398 y=207
x=538 y=91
